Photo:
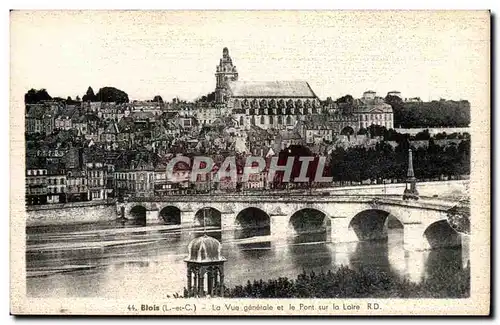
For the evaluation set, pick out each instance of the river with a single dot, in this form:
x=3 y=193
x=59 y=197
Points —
x=110 y=260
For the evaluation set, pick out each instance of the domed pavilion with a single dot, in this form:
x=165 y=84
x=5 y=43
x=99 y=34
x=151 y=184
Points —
x=205 y=258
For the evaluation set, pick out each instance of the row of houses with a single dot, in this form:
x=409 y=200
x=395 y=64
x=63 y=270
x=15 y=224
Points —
x=48 y=183
x=100 y=179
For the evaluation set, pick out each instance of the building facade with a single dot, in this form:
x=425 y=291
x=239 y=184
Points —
x=96 y=181
x=76 y=186
x=36 y=185
x=373 y=110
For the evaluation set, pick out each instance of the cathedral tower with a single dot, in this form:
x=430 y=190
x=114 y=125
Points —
x=224 y=73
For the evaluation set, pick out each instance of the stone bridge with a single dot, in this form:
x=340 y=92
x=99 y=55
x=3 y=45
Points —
x=346 y=218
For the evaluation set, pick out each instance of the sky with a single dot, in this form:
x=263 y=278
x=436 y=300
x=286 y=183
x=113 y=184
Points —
x=427 y=54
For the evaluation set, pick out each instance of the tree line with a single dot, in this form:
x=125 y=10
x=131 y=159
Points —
x=357 y=164
x=442 y=113
x=345 y=282
x=105 y=94
x=387 y=160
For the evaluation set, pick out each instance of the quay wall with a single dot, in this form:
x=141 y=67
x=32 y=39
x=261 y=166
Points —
x=70 y=213
x=433 y=131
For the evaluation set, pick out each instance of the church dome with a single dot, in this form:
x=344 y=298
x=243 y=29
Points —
x=204 y=249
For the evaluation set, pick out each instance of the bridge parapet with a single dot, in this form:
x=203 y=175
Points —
x=306 y=199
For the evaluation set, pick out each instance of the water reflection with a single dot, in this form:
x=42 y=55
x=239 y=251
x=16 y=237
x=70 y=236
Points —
x=248 y=232
x=320 y=256
x=118 y=262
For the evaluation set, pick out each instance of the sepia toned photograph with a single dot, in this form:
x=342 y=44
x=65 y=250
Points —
x=250 y=162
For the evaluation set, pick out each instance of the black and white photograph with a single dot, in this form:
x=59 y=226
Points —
x=176 y=161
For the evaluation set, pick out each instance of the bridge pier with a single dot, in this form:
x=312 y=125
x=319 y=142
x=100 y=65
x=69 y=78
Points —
x=279 y=227
x=413 y=237
x=153 y=217
x=227 y=225
x=188 y=219
x=340 y=231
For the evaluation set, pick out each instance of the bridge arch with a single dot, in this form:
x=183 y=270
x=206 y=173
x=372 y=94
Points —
x=208 y=216
x=373 y=223
x=252 y=221
x=440 y=234
x=171 y=215
x=309 y=225
x=308 y=219
x=138 y=213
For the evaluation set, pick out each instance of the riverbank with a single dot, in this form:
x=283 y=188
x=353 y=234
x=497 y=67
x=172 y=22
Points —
x=66 y=205
x=345 y=282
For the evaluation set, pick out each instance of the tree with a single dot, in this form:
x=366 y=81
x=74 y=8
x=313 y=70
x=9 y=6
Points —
x=34 y=96
x=111 y=94
x=158 y=99
x=377 y=130
x=89 y=95
x=347 y=99
x=78 y=98
x=423 y=135
x=394 y=101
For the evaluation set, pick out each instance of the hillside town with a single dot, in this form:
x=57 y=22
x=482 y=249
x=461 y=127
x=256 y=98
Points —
x=104 y=147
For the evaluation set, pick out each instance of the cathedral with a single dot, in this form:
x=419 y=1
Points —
x=266 y=104
x=283 y=105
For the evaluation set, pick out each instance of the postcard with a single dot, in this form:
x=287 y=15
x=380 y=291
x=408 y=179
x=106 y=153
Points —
x=250 y=163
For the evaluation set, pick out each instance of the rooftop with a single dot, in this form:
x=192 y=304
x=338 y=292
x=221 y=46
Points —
x=271 y=89
x=205 y=249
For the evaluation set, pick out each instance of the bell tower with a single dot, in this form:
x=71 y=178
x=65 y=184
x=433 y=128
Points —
x=224 y=73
